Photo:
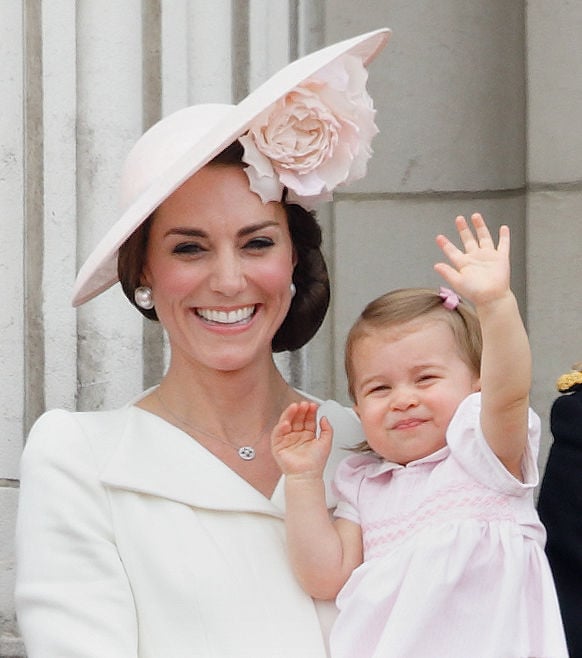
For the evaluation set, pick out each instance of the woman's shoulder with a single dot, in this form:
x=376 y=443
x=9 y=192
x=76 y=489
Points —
x=346 y=425
x=59 y=435
x=90 y=422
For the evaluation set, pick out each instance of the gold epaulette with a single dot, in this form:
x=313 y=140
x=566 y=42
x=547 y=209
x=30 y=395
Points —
x=570 y=379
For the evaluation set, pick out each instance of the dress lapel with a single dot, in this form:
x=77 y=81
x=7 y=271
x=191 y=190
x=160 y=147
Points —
x=153 y=457
x=156 y=458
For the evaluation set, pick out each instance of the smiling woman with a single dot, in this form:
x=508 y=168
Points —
x=215 y=248
x=157 y=529
x=310 y=278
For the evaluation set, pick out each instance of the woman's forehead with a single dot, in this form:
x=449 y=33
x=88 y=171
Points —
x=215 y=196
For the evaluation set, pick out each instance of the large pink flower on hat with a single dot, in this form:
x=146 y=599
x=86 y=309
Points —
x=313 y=139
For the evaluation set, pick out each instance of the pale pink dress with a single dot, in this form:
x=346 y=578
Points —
x=454 y=563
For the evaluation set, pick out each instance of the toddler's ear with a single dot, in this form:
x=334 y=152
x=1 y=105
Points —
x=355 y=408
x=476 y=385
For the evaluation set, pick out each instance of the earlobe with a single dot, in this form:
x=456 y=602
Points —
x=476 y=385
x=144 y=279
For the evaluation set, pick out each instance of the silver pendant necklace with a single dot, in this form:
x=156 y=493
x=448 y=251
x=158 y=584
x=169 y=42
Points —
x=245 y=452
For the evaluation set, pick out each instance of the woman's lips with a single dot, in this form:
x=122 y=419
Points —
x=219 y=316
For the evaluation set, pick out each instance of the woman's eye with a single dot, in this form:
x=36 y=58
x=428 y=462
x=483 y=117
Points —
x=259 y=243
x=187 y=248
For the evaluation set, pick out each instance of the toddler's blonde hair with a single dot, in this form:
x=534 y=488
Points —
x=401 y=306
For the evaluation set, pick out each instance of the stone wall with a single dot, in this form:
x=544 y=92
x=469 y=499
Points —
x=479 y=108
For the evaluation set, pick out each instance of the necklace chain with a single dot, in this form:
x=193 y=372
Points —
x=246 y=452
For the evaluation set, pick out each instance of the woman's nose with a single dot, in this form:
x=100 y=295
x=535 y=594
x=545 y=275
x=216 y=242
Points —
x=227 y=275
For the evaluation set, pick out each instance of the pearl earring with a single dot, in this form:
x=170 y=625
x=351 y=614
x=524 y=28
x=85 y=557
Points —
x=293 y=289
x=143 y=297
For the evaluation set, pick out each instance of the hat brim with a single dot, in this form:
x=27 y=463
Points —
x=99 y=272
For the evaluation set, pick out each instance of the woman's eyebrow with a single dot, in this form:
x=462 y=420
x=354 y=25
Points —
x=253 y=228
x=187 y=231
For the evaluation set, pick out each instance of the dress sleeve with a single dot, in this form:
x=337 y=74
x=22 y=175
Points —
x=347 y=484
x=347 y=431
x=73 y=599
x=470 y=448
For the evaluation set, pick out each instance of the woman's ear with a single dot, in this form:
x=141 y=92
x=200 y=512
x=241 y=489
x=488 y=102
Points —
x=144 y=278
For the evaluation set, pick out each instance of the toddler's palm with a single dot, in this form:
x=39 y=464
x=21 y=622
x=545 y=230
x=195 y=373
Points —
x=480 y=272
x=295 y=446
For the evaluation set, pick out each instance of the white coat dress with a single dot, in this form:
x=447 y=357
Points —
x=133 y=541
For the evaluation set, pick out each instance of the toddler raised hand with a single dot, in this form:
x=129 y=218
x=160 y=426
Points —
x=481 y=273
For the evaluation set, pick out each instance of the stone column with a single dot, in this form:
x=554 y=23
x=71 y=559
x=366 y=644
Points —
x=554 y=201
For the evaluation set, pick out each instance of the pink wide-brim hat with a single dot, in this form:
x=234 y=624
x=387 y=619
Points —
x=179 y=145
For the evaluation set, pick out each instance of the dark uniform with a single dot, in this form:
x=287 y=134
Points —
x=560 y=506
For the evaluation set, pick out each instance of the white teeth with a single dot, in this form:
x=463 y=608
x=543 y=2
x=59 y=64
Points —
x=226 y=317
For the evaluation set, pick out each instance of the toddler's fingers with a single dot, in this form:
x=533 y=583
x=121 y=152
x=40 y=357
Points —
x=483 y=234
x=326 y=432
x=304 y=417
x=504 y=240
x=450 y=250
x=448 y=273
x=325 y=426
x=279 y=435
x=288 y=413
x=465 y=232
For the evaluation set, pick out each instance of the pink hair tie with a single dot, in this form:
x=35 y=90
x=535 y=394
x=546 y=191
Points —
x=450 y=299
